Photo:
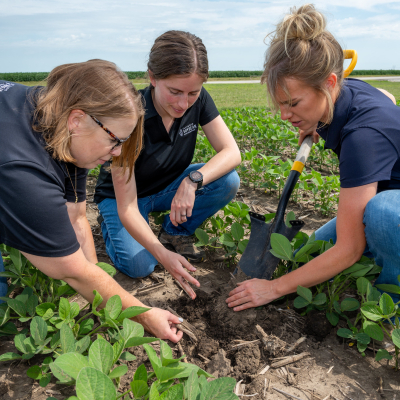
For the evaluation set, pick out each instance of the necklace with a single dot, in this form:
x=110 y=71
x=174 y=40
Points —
x=73 y=187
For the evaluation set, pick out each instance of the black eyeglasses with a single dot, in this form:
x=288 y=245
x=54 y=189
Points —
x=119 y=141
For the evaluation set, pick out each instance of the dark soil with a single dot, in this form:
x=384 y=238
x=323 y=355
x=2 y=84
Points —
x=331 y=368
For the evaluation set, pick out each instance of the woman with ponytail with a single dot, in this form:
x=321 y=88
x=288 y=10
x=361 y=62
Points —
x=303 y=71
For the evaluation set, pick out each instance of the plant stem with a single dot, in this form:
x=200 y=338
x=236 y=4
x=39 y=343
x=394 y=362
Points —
x=124 y=394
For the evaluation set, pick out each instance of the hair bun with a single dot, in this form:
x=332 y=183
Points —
x=304 y=23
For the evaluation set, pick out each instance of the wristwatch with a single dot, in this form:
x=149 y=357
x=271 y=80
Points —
x=196 y=177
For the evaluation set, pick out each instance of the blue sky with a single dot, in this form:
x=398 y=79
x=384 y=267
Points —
x=39 y=35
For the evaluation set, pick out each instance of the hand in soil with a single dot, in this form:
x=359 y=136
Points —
x=161 y=324
x=252 y=293
x=175 y=264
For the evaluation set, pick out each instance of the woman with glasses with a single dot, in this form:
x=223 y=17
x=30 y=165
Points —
x=49 y=137
x=304 y=75
x=164 y=178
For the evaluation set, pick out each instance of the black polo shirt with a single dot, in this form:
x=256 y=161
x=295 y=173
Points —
x=34 y=188
x=365 y=134
x=165 y=155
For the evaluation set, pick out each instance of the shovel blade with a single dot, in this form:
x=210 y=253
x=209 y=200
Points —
x=257 y=261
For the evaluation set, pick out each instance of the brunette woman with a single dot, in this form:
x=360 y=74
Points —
x=164 y=178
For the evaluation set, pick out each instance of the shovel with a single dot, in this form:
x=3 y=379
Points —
x=257 y=261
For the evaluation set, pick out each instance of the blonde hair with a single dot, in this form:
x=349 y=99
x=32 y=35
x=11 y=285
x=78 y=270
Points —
x=96 y=87
x=301 y=48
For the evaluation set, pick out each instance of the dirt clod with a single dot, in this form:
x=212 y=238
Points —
x=219 y=365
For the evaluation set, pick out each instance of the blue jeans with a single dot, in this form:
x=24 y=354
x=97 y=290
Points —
x=382 y=231
x=132 y=258
x=3 y=281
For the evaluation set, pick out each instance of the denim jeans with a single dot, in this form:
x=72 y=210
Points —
x=132 y=258
x=382 y=231
x=3 y=281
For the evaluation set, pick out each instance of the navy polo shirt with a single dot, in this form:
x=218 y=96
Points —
x=165 y=155
x=34 y=186
x=365 y=135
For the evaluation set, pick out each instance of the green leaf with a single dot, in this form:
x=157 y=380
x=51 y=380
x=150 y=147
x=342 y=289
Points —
x=9 y=357
x=34 y=372
x=82 y=345
x=118 y=348
x=45 y=380
x=237 y=231
x=107 y=268
x=372 y=312
x=118 y=372
x=202 y=236
x=389 y=288
x=289 y=217
x=139 y=388
x=166 y=373
x=61 y=375
x=192 y=388
x=4 y=316
x=67 y=339
x=38 y=330
x=345 y=333
x=299 y=302
x=363 y=338
x=305 y=293
x=86 y=326
x=101 y=355
x=219 y=389
x=349 y=304
x=373 y=330
x=19 y=343
x=71 y=364
x=319 y=299
x=114 y=306
x=173 y=393
x=96 y=301
x=386 y=304
x=64 y=308
x=131 y=312
x=155 y=361
x=382 y=354
x=227 y=240
x=363 y=286
x=333 y=318
x=396 y=337
x=18 y=306
x=31 y=304
x=140 y=374
x=93 y=384
x=126 y=356
x=154 y=395
x=243 y=244
x=281 y=246
x=41 y=309
x=30 y=344
x=74 y=310
x=16 y=258
x=131 y=329
x=189 y=368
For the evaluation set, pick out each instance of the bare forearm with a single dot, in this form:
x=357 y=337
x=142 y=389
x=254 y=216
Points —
x=85 y=238
x=219 y=165
x=318 y=270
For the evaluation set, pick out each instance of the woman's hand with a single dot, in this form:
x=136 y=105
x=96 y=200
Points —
x=183 y=202
x=175 y=264
x=161 y=324
x=312 y=132
x=252 y=293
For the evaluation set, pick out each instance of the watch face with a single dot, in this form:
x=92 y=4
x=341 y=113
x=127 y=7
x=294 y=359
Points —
x=196 y=176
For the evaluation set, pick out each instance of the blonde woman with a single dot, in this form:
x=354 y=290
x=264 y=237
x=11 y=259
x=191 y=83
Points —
x=88 y=113
x=304 y=77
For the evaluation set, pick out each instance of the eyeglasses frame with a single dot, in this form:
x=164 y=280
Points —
x=119 y=141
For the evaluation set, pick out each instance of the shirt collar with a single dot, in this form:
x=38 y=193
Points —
x=331 y=133
x=148 y=104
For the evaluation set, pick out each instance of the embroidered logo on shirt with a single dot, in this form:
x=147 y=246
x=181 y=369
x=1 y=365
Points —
x=5 y=86
x=187 y=129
